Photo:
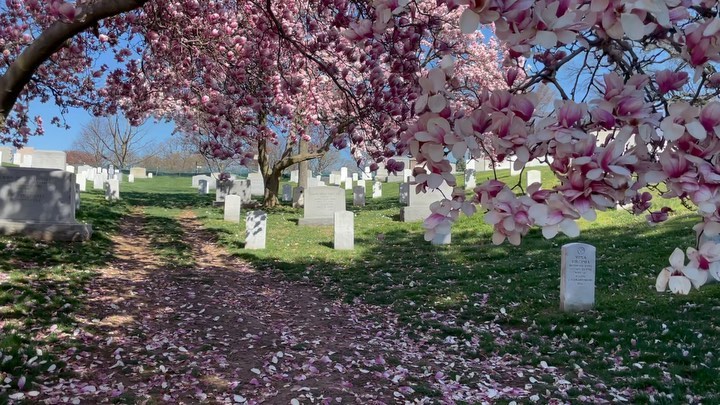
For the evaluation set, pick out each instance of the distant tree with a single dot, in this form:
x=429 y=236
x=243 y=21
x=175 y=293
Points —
x=79 y=157
x=113 y=140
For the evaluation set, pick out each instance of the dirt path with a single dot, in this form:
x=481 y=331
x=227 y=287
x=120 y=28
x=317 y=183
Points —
x=222 y=332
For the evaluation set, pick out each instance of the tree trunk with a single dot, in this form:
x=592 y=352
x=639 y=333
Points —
x=271 y=177
x=304 y=165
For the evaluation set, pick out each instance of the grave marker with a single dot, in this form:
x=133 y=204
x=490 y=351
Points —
x=233 y=205
x=534 y=176
x=377 y=190
x=255 y=230
x=40 y=204
x=577 y=277
x=344 y=224
x=359 y=196
x=286 y=193
x=320 y=205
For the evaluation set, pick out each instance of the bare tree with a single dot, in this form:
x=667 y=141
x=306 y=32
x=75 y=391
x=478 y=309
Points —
x=332 y=160
x=113 y=140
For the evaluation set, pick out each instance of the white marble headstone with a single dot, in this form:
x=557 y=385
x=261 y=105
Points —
x=233 y=204
x=344 y=225
x=534 y=176
x=255 y=230
x=377 y=190
x=577 y=277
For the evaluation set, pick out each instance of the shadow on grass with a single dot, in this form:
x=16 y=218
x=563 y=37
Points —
x=474 y=281
x=168 y=200
x=46 y=280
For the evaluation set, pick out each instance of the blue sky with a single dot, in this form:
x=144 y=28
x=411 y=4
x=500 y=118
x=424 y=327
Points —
x=61 y=139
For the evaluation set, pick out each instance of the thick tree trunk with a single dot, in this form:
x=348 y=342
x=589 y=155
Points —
x=19 y=73
x=271 y=177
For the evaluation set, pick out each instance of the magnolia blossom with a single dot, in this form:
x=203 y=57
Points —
x=674 y=276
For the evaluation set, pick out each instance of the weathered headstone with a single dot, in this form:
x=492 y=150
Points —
x=5 y=154
x=534 y=176
x=298 y=198
x=255 y=230
x=139 y=172
x=470 y=170
x=348 y=184
x=204 y=187
x=40 y=204
x=112 y=190
x=577 y=277
x=286 y=193
x=257 y=184
x=419 y=204
x=48 y=159
x=81 y=181
x=320 y=205
x=404 y=194
x=131 y=178
x=98 y=181
x=344 y=229
x=233 y=205
x=233 y=187
x=359 y=196
x=377 y=190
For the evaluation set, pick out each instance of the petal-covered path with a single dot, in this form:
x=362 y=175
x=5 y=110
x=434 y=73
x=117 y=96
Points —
x=223 y=332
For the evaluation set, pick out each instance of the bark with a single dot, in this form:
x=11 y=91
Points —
x=20 y=72
x=303 y=166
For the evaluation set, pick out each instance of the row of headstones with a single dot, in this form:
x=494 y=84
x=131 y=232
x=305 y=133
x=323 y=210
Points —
x=533 y=176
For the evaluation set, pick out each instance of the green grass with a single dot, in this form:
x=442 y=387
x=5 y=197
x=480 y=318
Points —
x=635 y=338
x=46 y=282
x=648 y=334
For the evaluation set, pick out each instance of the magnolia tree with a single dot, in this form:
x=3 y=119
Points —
x=642 y=73
x=250 y=78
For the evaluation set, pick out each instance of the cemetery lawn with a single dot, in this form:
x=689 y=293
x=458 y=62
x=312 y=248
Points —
x=470 y=300
x=637 y=345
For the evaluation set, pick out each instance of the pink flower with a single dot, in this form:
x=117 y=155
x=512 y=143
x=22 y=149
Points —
x=668 y=80
x=673 y=276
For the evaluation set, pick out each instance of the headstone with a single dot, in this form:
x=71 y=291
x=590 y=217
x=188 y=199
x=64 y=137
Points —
x=233 y=205
x=149 y=175
x=355 y=177
x=344 y=227
x=255 y=230
x=367 y=175
x=404 y=194
x=470 y=170
x=27 y=161
x=331 y=179
x=294 y=176
x=48 y=159
x=534 y=176
x=257 y=184
x=348 y=184
x=5 y=154
x=343 y=174
x=361 y=183
x=335 y=178
x=239 y=187
x=577 y=277
x=70 y=168
x=398 y=177
x=98 y=181
x=139 y=172
x=298 y=198
x=419 y=204
x=204 y=187
x=40 y=204
x=359 y=196
x=377 y=190
x=453 y=168
x=320 y=205
x=211 y=181
x=81 y=181
x=286 y=193
x=314 y=182
x=131 y=178
x=381 y=174
x=112 y=190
